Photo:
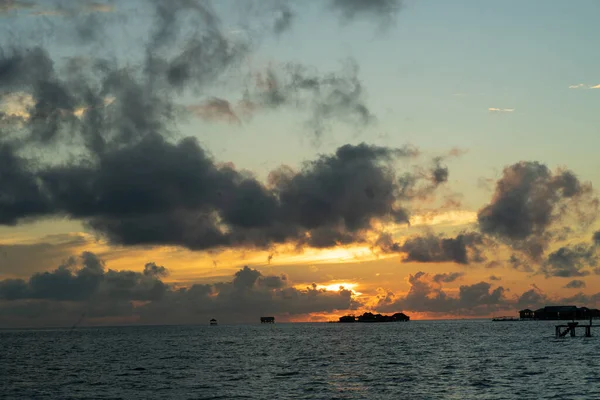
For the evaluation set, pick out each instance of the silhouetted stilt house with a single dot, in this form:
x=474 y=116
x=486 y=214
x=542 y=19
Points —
x=213 y=322
x=267 y=320
x=557 y=313
x=526 y=314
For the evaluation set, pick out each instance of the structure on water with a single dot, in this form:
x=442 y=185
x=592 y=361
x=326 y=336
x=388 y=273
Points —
x=370 y=317
x=213 y=322
x=571 y=326
x=558 y=313
x=267 y=320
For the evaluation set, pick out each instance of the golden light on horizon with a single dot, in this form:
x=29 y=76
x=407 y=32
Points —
x=449 y=218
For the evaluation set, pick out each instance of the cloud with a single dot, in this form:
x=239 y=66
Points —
x=192 y=202
x=463 y=249
x=215 y=109
x=382 y=11
x=596 y=238
x=84 y=285
x=529 y=200
x=84 y=279
x=570 y=261
x=584 y=86
x=338 y=96
x=575 y=284
x=533 y=298
x=427 y=295
x=519 y=264
x=447 y=278
x=129 y=176
x=501 y=110
x=495 y=278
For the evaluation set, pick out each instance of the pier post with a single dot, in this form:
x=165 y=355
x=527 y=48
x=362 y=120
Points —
x=572 y=326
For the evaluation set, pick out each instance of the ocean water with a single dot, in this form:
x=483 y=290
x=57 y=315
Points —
x=414 y=360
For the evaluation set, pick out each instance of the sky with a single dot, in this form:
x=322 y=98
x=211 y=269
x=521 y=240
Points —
x=168 y=162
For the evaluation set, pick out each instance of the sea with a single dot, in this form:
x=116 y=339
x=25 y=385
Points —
x=459 y=359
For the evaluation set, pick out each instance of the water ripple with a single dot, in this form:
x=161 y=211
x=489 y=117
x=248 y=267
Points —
x=417 y=360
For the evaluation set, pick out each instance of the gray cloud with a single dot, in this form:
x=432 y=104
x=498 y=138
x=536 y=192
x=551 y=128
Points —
x=129 y=180
x=447 y=278
x=575 y=284
x=532 y=299
x=383 y=11
x=83 y=285
x=22 y=197
x=529 y=199
x=570 y=261
x=336 y=96
x=84 y=279
x=463 y=249
x=190 y=201
x=519 y=264
x=426 y=295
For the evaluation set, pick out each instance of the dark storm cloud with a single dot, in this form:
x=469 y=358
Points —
x=528 y=200
x=128 y=181
x=83 y=285
x=463 y=249
x=156 y=192
x=22 y=196
x=570 y=261
x=575 y=284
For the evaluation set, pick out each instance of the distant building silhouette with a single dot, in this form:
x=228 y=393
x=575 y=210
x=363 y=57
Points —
x=556 y=313
x=370 y=317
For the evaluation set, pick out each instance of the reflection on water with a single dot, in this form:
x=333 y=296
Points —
x=415 y=360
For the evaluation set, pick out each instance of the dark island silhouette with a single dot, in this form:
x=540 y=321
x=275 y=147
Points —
x=370 y=317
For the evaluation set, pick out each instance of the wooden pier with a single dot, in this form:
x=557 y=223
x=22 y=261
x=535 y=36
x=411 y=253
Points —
x=571 y=327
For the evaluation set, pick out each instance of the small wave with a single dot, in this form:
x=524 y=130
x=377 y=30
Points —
x=290 y=373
